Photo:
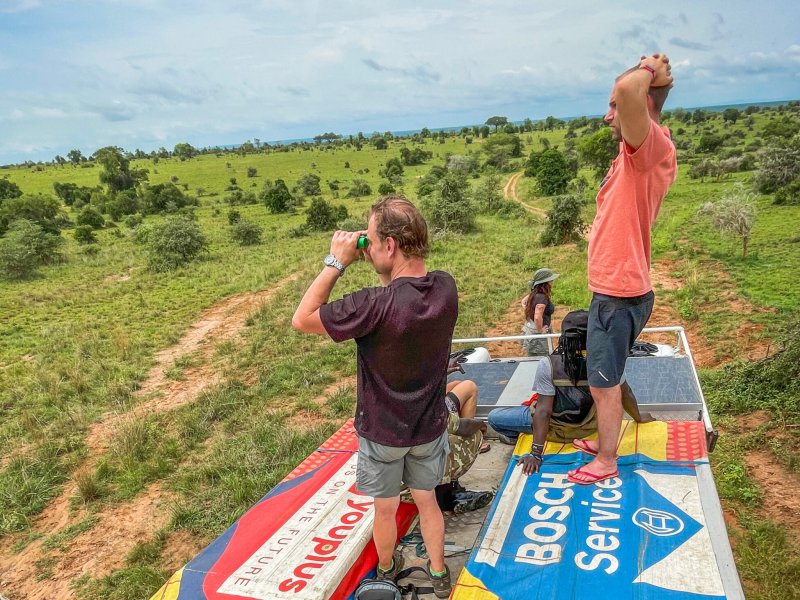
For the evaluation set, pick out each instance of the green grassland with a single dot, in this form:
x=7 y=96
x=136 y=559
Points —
x=77 y=340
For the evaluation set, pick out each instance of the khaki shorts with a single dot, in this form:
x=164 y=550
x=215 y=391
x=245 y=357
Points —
x=382 y=470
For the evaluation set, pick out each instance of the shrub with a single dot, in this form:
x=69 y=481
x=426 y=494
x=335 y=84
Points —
x=252 y=171
x=308 y=185
x=553 y=172
x=789 y=195
x=352 y=224
x=175 y=242
x=123 y=203
x=246 y=233
x=90 y=217
x=234 y=216
x=778 y=166
x=417 y=156
x=394 y=167
x=164 y=197
x=71 y=193
x=43 y=210
x=321 y=216
x=358 y=189
x=772 y=383
x=133 y=220
x=385 y=188
x=564 y=221
x=451 y=208
x=488 y=197
x=9 y=189
x=276 y=197
x=26 y=246
x=84 y=234
x=239 y=197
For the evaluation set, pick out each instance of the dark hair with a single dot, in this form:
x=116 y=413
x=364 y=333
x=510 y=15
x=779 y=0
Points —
x=530 y=307
x=657 y=94
x=396 y=217
x=572 y=344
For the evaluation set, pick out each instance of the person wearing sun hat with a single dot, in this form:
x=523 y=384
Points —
x=538 y=311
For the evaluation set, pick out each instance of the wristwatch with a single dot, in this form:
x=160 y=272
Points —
x=332 y=261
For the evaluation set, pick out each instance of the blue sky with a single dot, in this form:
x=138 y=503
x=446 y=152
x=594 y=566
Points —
x=151 y=73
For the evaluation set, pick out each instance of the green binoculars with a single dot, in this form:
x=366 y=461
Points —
x=363 y=241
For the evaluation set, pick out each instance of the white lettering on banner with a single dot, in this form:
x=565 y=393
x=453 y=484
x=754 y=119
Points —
x=544 y=533
x=310 y=553
x=605 y=501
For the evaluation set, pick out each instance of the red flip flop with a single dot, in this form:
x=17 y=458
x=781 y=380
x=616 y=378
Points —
x=583 y=446
x=593 y=477
x=485 y=447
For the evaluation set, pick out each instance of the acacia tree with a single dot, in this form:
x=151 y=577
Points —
x=734 y=214
x=496 y=121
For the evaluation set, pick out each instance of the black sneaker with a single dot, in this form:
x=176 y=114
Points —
x=441 y=583
x=467 y=501
x=397 y=566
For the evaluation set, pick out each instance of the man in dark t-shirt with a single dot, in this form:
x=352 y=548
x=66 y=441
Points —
x=403 y=331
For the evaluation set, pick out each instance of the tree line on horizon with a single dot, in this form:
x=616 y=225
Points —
x=30 y=224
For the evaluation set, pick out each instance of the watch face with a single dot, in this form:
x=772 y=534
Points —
x=329 y=260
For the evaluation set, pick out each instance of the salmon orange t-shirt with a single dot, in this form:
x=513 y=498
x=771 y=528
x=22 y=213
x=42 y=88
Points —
x=627 y=206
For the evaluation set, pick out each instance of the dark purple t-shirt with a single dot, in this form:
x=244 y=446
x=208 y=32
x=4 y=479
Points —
x=403 y=333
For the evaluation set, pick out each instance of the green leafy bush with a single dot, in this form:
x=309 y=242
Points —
x=358 y=189
x=246 y=233
x=322 y=216
x=564 y=221
x=277 y=197
x=43 y=210
x=90 y=217
x=25 y=247
x=84 y=234
x=788 y=195
x=173 y=243
x=451 y=207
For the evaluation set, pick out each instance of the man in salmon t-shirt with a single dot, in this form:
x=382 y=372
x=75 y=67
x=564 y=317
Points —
x=619 y=247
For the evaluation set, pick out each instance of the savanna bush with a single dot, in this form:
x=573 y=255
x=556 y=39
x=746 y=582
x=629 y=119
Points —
x=450 y=207
x=84 y=234
x=246 y=233
x=564 y=221
x=358 y=189
x=322 y=216
x=788 y=194
x=175 y=242
x=26 y=246
x=43 y=210
x=778 y=166
x=90 y=217
x=352 y=224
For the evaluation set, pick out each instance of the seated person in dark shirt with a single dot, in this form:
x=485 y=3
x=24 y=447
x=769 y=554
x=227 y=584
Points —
x=403 y=330
x=564 y=410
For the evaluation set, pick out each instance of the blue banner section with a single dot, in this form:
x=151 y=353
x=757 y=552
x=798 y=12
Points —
x=641 y=535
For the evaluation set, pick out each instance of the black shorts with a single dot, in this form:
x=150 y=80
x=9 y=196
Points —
x=452 y=402
x=614 y=324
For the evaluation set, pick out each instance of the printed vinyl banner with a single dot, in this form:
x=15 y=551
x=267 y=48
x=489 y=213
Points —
x=309 y=538
x=640 y=536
